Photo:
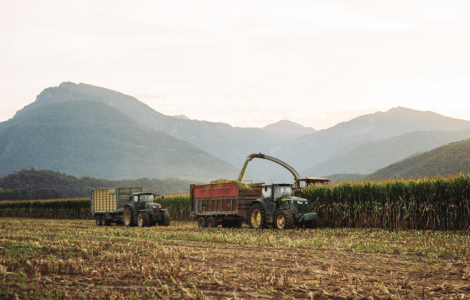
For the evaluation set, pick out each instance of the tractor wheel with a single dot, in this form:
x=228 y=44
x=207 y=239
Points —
x=165 y=219
x=104 y=222
x=212 y=222
x=257 y=216
x=284 y=220
x=129 y=217
x=201 y=222
x=142 y=219
x=312 y=224
x=98 y=220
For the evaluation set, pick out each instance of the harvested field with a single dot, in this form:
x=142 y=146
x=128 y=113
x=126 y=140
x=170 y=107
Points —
x=75 y=259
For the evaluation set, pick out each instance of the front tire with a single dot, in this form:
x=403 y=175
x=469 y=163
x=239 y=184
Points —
x=129 y=217
x=311 y=225
x=165 y=219
x=142 y=219
x=284 y=220
x=257 y=216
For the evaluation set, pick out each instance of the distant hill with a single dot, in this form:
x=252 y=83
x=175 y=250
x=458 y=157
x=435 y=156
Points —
x=93 y=138
x=311 y=149
x=181 y=117
x=71 y=187
x=446 y=161
x=228 y=143
x=372 y=156
x=285 y=130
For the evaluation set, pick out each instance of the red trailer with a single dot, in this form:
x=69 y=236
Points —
x=222 y=203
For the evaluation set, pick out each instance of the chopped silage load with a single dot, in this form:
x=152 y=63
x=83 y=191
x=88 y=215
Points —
x=241 y=185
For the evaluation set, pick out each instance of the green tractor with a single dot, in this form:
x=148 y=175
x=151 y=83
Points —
x=143 y=211
x=278 y=207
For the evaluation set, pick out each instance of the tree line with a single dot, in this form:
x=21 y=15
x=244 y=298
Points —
x=47 y=184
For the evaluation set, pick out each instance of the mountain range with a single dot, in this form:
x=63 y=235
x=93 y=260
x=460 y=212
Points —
x=80 y=127
x=93 y=138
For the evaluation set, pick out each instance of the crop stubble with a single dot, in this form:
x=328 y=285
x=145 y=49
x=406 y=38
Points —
x=72 y=259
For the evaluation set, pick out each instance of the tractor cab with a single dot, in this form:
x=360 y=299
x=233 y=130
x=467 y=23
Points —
x=143 y=197
x=275 y=192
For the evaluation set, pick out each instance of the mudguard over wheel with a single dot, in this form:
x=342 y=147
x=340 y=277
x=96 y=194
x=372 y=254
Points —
x=211 y=222
x=165 y=219
x=257 y=216
x=142 y=219
x=201 y=222
x=284 y=220
x=129 y=217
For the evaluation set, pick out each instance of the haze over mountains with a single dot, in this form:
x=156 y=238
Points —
x=447 y=160
x=371 y=156
x=180 y=147
x=92 y=138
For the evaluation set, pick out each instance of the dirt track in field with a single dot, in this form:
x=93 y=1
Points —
x=72 y=260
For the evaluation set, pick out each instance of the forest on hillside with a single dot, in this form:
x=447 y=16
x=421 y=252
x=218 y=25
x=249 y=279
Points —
x=68 y=186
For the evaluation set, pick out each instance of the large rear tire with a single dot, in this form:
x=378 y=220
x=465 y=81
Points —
x=165 y=219
x=284 y=220
x=129 y=217
x=257 y=216
x=212 y=222
x=142 y=219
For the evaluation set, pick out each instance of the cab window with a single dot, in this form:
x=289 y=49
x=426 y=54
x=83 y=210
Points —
x=266 y=192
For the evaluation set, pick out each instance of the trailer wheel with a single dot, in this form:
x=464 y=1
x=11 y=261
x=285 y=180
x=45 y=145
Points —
x=165 y=219
x=212 y=222
x=284 y=220
x=201 y=223
x=257 y=216
x=142 y=219
x=98 y=220
x=104 y=222
x=128 y=217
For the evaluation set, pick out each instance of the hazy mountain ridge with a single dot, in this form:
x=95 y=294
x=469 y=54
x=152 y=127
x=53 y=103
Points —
x=228 y=143
x=312 y=149
x=286 y=130
x=92 y=136
x=372 y=156
x=233 y=144
x=446 y=161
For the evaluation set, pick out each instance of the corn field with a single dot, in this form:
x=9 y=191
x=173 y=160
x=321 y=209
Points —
x=435 y=204
x=57 y=209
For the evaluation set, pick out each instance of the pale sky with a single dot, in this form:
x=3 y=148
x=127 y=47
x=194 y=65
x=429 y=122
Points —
x=246 y=63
